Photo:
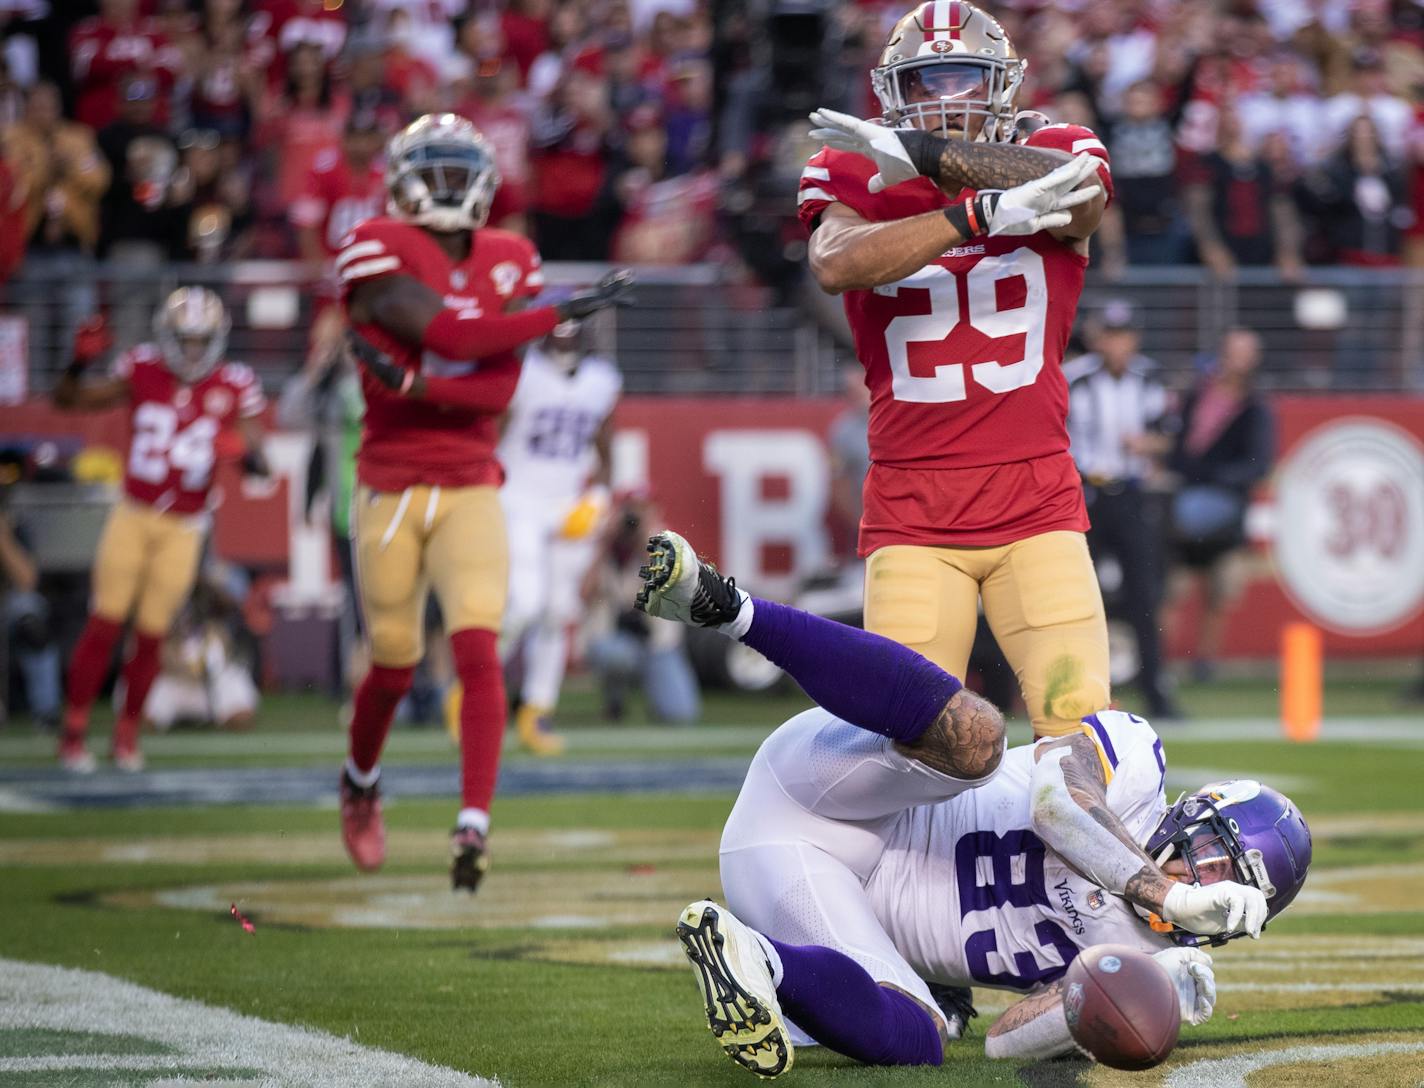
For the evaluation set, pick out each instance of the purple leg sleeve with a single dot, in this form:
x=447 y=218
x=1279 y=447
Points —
x=860 y=677
x=835 y=1001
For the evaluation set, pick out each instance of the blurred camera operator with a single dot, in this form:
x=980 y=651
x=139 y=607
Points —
x=627 y=648
x=26 y=617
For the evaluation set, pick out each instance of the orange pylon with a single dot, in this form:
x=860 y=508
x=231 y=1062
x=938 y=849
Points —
x=1302 y=681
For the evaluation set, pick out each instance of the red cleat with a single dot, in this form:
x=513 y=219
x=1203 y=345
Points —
x=362 y=829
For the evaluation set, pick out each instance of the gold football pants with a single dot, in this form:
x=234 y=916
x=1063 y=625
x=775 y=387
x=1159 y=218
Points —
x=145 y=565
x=1042 y=602
x=448 y=538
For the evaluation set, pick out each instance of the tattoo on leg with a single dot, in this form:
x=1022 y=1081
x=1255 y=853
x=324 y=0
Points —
x=966 y=740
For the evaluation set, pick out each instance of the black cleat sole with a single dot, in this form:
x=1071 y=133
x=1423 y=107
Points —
x=743 y=1025
x=662 y=561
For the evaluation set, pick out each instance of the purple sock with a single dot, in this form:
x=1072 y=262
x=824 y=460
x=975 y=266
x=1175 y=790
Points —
x=860 y=677
x=835 y=1001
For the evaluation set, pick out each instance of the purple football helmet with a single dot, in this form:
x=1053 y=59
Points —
x=1238 y=830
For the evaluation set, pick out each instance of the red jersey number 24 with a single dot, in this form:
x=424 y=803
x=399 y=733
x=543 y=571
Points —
x=982 y=315
x=158 y=446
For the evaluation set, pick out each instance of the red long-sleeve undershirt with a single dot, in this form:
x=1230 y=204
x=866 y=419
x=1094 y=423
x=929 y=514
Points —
x=459 y=335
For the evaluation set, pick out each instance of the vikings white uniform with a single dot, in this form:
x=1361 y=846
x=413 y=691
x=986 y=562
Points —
x=548 y=455
x=839 y=840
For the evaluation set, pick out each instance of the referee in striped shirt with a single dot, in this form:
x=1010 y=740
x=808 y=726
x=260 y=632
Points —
x=1117 y=416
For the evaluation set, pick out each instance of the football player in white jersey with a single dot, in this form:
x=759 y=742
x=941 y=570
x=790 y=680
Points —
x=886 y=847
x=555 y=453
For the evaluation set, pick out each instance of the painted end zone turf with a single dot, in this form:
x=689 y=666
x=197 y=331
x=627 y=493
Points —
x=155 y=1038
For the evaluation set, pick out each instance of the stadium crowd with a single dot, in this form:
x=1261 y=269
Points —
x=1275 y=132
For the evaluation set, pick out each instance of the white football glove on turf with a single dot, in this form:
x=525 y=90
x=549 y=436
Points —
x=1212 y=909
x=1190 y=971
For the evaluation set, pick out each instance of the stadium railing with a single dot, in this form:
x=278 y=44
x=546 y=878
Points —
x=700 y=329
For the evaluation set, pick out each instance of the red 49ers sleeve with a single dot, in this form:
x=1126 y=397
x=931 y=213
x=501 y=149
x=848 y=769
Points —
x=136 y=365
x=372 y=251
x=251 y=401
x=842 y=177
x=1075 y=139
x=533 y=280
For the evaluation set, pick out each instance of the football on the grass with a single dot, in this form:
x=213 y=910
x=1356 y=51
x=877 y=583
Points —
x=1121 y=1006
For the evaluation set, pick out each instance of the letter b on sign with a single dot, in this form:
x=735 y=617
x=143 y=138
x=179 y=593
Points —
x=755 y=520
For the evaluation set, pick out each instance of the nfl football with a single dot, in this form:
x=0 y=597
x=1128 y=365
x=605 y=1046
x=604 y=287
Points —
x=1121 y=1007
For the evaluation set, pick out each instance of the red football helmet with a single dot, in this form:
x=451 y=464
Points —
x=946 y=63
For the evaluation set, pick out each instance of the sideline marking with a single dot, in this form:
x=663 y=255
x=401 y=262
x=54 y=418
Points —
x=1232 y=1072
x=36 y=995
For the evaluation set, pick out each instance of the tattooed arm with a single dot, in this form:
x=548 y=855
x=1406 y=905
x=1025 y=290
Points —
x=964 y=164
x=1070 y=813
x=966 y=741
x=1034 y=1027
x=970 y=165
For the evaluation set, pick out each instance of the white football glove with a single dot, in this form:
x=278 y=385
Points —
x=893 y=150
x=900 y=154
x=1190 y=971
x=1212 y=909
x=1041 y=204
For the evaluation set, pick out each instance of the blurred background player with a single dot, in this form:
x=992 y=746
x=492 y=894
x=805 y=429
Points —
x=431 y=297
x=556 y=453
x=959 y=239
x=183 y=395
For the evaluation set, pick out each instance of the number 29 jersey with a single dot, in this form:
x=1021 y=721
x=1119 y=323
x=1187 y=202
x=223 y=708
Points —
x=968 y=408
x=970 y=895
x=176 y=427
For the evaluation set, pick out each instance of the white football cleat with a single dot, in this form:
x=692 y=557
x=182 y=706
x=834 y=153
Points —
x=678 y=585
x=128 y=760
x=75 y=757
x=737 y=988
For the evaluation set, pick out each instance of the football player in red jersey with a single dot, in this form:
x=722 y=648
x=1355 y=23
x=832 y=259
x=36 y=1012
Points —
x=182 y=396
x=958 y=233
x=434 y=299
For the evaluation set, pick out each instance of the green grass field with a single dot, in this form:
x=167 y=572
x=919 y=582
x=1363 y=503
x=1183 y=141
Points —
x=563 y=971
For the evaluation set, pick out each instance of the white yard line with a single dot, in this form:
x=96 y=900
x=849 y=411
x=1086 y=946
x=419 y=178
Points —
x=15 y=801
x=201 y=1037
x=1232 y=1072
